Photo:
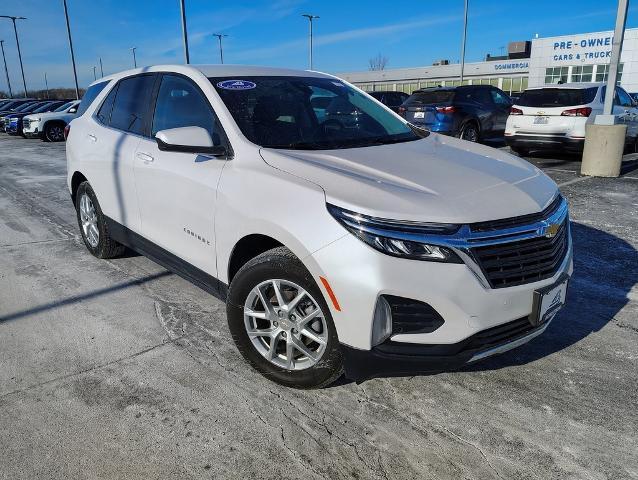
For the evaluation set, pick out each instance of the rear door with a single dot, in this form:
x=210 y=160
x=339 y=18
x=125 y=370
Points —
x=177 y=190
x=121 y=121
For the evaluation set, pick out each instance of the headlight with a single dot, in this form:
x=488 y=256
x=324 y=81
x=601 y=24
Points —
x=399 y=238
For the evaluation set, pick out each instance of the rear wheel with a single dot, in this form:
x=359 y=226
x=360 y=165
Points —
x=281 y=323
x=54 y=132
x=93 y=226
x=470 y=132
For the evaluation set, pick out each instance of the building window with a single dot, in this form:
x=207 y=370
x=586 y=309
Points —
x=582 y=73
x=555 y=75
x=602 y=71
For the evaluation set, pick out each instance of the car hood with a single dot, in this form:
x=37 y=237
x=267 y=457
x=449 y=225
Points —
x=49 y=115
x=435 y=179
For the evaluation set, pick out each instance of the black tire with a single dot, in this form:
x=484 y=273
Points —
x=106 y=247
x=53 y=132
x=470 y=131
x=281 y=263
x=522 y=152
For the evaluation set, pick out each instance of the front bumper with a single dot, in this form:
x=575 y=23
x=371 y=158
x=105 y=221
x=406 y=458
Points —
x=397 y=359
x=545 y=142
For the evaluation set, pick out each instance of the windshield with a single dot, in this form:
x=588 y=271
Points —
x=23 y=107
x=557 y=97
x=308 y=113
x=42 y=108
x=431 y=97
x=63 y=107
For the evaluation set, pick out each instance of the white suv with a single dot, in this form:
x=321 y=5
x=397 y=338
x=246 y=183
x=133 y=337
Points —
x=363 y=245
x=50 y=126
x=554 y=117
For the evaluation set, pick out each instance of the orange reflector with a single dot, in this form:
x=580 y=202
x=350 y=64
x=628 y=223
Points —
x=331 y=294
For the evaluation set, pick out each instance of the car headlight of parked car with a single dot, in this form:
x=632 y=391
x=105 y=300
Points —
x=398 y=238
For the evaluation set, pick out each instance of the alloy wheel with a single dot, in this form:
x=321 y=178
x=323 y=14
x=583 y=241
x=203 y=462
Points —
x=285 y=324
x=470 y=133
x=88 y=217
x=55 y=133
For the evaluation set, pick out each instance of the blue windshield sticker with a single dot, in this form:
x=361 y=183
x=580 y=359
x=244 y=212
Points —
x=236 y=85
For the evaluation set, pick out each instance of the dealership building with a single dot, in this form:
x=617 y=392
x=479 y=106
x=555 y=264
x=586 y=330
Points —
x=541 y=61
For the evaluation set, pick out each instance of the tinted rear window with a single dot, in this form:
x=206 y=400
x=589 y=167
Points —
x=433 y=97
x=92 y=92
x=557 y=97
x=131 y=103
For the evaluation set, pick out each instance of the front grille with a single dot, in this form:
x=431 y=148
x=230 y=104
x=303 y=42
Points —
x=499 y=335
x=26 y=122
x=523 y=261
x=511 y=222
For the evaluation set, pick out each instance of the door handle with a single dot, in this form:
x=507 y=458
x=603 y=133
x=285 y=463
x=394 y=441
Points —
x=145 y=157
x=92 y=137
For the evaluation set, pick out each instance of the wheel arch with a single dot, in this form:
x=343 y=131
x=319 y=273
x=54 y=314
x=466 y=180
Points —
x=52 y=121
x=76 y=179
x=247 y=248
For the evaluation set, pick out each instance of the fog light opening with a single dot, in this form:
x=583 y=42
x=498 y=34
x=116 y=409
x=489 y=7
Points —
x=381 y=322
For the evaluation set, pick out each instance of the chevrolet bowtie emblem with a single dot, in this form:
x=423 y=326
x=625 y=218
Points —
x=552 y=230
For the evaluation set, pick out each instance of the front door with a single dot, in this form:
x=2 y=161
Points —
x=177 y=190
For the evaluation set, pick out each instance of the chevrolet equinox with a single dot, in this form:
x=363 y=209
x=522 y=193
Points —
x=342 y=238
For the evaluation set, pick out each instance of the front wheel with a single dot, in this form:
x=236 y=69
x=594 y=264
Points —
x=54 y=132
x=280 y=322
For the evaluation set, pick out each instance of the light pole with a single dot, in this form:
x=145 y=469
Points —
x=184 y=32
x=68 y=31
x=221 y=50
x=101 y=69
x=310 y=19
x=15 y=30
x=94 y=72
x=6 y=70
x=46 y=84
x=132 y=49
x=463 y=42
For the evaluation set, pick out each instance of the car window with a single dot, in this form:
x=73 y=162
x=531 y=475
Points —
x=131 y=104
x=394 y=99
x=500 y=98
x=104 y=113
x=47 y=107
x=624 y=98
x=557 y=97
x=431 y=97
x=180 y=103
x=90 y=95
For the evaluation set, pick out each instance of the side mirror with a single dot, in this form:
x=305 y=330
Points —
x=188 y=140
x=73 y=110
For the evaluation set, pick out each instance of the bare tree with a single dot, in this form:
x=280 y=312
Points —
x=378 y=62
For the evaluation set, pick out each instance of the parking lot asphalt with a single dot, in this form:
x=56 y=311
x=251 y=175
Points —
x=120 y=369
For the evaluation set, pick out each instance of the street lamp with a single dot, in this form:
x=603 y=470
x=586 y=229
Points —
x=46 y=84
x=15 y=30
x=310 y=19
x=6 y=70
x=68 y=31
x=132 y=49
x=94 y=72
x=184 y=32
x=463 y=42
x=221 y=50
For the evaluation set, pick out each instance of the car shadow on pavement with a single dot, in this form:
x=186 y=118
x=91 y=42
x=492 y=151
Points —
x=605 y=271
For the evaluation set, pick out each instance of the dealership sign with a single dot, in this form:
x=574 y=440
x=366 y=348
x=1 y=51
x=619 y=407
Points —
x=587 y=48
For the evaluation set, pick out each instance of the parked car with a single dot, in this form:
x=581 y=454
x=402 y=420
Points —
x=15 y=124
x=21 y=107
x=11 y=104
x=554 y=117
x=50 y=126
x=471 y=112
x=634 y=96
x=379 y=249
x=390 y=99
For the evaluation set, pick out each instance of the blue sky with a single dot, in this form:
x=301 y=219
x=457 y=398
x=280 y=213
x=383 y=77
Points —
x=409 y=33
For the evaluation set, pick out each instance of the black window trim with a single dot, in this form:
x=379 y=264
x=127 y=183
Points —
x=225 y=141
